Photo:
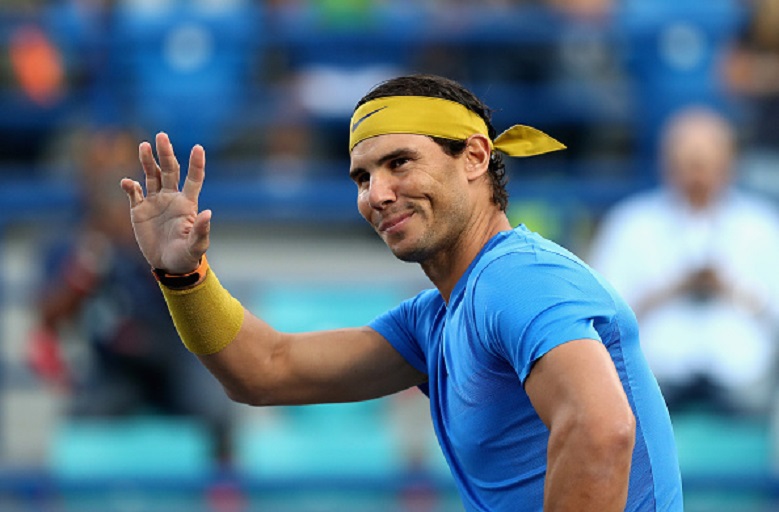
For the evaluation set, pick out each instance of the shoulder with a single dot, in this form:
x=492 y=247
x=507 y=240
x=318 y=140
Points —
x=424 y=301
x=408 y=327
x=529 y=272
x=413 y=312
x=530 y=295
x=754 y=205
x=641 y=207
x=632 y=224
x=522 y=254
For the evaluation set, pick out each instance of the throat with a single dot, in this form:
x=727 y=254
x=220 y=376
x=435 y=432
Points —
x=446 y=267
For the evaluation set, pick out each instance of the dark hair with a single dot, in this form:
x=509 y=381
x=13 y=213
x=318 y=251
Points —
x=440 y=87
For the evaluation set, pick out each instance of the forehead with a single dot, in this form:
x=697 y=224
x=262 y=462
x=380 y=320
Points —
x=373 y=149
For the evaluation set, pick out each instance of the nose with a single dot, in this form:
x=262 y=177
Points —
x=381 y=190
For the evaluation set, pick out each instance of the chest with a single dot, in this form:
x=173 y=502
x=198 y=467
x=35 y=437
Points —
x=483 y=418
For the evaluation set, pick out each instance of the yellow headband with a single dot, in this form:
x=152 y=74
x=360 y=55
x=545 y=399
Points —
x=437 y=117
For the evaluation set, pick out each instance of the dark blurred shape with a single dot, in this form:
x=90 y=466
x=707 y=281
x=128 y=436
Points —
x=751 y=72
x=104 y=335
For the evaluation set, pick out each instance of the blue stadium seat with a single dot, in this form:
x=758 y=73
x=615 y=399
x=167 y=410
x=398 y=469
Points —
x=331 y=441
x=185 y=67
x=712 y=444
x=293 y=307
x=131 y=448
x=674 y=53
x=340 y=440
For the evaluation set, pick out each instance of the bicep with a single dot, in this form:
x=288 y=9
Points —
x=349 y=364
x=263 y=366
x=577 y=393
x=577 y=379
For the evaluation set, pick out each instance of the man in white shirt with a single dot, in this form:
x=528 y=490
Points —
x=696 y=259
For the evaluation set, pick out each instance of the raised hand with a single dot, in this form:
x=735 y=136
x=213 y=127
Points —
x=170 y=232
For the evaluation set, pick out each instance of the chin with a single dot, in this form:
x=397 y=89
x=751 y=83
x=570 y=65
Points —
x=409 y=254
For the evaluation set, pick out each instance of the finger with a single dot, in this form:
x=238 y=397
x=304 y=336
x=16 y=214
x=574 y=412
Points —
x=133 y=190
x=168 y=163
x=150 y=168
x=199 y=236
x=195 y=174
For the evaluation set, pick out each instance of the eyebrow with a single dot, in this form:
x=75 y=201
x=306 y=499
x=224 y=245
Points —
x=396 y=153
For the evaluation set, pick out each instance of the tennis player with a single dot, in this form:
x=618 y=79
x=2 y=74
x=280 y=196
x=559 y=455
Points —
x=540 y=396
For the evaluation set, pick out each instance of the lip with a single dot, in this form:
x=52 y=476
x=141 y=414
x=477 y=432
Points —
x=393 y=224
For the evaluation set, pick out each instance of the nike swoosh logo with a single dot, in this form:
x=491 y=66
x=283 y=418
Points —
x=366 y=116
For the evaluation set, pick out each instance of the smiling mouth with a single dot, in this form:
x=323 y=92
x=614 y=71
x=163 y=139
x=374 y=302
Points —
x=393 y=224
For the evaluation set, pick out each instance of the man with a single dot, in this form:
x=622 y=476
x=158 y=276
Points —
x=539 y=393
x=708 y=303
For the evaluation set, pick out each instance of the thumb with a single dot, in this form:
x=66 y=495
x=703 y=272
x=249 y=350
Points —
x=199 y=236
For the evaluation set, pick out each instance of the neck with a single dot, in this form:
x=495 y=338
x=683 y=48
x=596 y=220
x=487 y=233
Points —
x=446 y=267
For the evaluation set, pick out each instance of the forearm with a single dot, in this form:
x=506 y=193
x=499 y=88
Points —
x=234 y=345
x=589 y=470
x=259 y=365
x=263 y=366
x=250 y=367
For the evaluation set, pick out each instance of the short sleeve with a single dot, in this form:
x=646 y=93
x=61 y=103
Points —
x=403 y=327
x=526 y=306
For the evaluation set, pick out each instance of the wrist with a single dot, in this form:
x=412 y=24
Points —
x=182 y=281
x=206 y=316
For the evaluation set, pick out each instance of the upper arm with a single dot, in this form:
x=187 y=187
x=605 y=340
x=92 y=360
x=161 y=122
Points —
x=265 y=366
x=578 y=382
x=577 y=393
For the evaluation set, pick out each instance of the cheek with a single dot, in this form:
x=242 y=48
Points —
x=362 y=205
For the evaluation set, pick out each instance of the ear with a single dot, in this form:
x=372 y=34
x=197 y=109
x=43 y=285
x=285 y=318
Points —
x=477 y=156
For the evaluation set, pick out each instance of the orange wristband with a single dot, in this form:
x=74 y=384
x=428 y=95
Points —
x=181 y=281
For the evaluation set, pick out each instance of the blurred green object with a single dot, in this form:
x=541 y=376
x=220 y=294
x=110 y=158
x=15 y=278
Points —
x=143 y=448
x=539 y=216
x=347 y=14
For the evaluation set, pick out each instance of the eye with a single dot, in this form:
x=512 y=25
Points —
x=361 y=178
x=395 y=163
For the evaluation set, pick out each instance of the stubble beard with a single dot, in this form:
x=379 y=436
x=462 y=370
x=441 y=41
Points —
x=439 y=237
x=428 y=247
x=420 y=252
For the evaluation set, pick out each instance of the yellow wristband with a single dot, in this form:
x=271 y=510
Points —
x=206 y=316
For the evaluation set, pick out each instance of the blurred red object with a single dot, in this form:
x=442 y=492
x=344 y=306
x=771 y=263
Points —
x=37 y=64
x=45 y=359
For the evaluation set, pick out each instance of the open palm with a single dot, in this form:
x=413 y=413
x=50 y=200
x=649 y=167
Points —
x=170 y=231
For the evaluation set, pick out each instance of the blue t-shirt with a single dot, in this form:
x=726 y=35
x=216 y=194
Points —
x=521 y=297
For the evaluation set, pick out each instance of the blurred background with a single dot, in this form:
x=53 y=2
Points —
x=669 y=187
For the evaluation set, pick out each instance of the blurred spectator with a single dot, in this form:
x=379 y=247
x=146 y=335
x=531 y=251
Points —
x=696 y=259
x=51 y=60
x=123 y=356
x=752 y=72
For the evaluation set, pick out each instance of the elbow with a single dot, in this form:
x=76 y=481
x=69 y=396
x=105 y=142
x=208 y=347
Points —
x=242 y=396
x=248 y=394
x=623 y=434
x=613 y=440
x=605 y=442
